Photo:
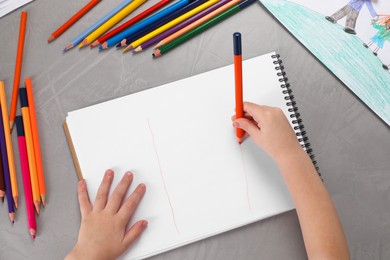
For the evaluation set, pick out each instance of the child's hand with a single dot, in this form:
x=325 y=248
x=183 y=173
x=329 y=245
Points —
x=269 y=128
x=103 y=232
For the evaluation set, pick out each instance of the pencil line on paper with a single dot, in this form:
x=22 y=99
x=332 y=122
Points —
x=245 y=177
x=162 y=177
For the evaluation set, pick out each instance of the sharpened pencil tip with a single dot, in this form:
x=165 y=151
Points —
x=36 y=204
x=68 y=47
x=32 y=232
x=11 y=126
x=51 y=38
x=16 y=201
x=94 y=44
x=12 y=217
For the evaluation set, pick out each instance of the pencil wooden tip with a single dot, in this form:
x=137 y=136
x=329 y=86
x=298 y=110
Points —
x=128 y=48
x=51 y=38
x=32 y=232
x=158 y=45
x=43 y=198
x=83 y=43
x=103 y=46
x=11 y=126
x=12 y=217
x=36 y=204
x=16 y=201
x=68 y=47
x=94 y=44
x=123 y=43
x=156 y=53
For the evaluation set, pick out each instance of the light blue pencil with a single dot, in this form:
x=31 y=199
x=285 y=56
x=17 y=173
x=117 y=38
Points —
x=96 y=25
x=139 y=26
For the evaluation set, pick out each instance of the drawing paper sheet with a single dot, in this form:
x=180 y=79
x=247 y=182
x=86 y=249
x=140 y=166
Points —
x=342 y=53
x=178 y=139
x=7 y=6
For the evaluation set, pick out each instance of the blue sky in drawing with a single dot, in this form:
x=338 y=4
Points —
x=342 y=53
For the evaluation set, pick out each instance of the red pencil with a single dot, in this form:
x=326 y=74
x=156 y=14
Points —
x=73 y=19
x=32 y=224
x=18 y=68
x=238 y=82
x=130 y=22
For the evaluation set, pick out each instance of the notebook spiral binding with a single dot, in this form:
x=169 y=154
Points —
x=293 y=109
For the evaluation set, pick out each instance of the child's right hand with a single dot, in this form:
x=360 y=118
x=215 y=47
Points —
x=269 y=128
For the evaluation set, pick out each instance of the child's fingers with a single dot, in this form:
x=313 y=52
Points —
x=85 y=204
x=119 y=193
x=102 y=193
x=134 y=232
x=131 y=203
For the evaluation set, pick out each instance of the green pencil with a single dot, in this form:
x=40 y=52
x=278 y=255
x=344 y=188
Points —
x=201 y=28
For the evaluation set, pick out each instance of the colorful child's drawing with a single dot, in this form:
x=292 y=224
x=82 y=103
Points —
x=351 y=11
x=383 y=34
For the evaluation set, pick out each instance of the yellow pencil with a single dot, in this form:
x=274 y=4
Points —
x=111 y=22
x=8 y=142
x=170 y=24
x=30 y=148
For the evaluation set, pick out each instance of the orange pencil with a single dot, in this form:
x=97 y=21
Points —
x=8 y=142
x=35 y=136
x=18 y=68
x=238 y=82
x=30 y=148
x=72 y=20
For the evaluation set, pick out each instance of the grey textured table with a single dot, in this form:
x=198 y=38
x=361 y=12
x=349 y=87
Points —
x=350 y=142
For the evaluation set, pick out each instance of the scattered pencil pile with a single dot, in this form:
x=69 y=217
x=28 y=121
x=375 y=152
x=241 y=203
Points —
x=164 y=29
x=28 y=143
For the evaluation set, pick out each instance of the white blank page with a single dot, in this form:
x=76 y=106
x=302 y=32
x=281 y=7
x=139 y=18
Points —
x=178 y=139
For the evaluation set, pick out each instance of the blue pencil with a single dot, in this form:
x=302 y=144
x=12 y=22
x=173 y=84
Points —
x=91 y=29
x=7 y=178
x=157 y=24
x=142 y=24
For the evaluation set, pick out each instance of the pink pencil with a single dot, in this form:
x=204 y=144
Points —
x=32 y=224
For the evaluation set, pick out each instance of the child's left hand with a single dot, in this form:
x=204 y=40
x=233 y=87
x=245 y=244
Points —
x=103 y=232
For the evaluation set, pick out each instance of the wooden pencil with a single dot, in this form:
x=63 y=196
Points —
x=201 y=28
x=96 y=25
x=179 y=26
x=36 y=143
x=170 y=24
x=142 y=24
x=30 y=148
x=111 y=22
x=237 y=50
x=18 y=67
x=32 y=224
x=72 y=20
x=7 y=179
x=196 y=23
x=130 y=22
x=8 y=143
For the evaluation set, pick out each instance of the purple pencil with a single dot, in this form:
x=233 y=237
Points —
x=179 y=26
x=7 y=178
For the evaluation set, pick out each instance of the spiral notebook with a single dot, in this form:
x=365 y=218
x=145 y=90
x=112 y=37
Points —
x=178 y=139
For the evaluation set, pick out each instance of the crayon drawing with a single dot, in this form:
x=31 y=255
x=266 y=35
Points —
x=342 y=39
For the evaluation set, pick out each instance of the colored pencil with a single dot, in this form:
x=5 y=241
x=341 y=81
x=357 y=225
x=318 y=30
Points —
x=7 y=179
x=18 y=67
x=8 y=143
x=96 y=25
x=139 y=26
x=153 y=26
x=201 y=28
x=170 y=24
x=72 y=20
x=32 y=224
x=237 y=50
x=30 y=148
x=130 y=22
x=196 y=23
x=36 y=143
x=2 y=183
x=111 y=22
x=181 y=25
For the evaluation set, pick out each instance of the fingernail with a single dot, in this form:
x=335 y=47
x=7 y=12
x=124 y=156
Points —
x=142 y=186
x=236 y=124
x=129 y=174
x=144 y=224
x=82 y=184
x=109 y=173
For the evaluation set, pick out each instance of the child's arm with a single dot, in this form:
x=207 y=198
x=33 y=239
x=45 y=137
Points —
x=322 y=232
x=103 y=233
